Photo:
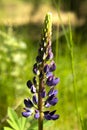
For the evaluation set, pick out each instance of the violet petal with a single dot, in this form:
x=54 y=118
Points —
x=37 y=114
x=52 y=81
x=47 y=105
x=33 y=89
x=55 y=81
x=53 y=101
x=54 y=117
x=52 y=66
x=29 y=84
x=46 y=68
x=35 y=100
x=52 y=91
x=47 y=116
x=27 y=112
x=50 y=56
x=52 y=112
x=28 y=103
x=48 y=74
x=43 y=93
x=35 y=69
x=49 y=81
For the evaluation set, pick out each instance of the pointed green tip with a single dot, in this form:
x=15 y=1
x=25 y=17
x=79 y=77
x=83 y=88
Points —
x=47 y=30
x=48 y=21
x=49 y=17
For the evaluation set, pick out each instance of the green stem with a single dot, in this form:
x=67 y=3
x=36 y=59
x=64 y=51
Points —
x=56 y=54
x=74 y=76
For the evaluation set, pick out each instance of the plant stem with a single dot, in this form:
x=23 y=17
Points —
x=56 y=51
x=74 y=77
x=40 y=101
x=45 y=38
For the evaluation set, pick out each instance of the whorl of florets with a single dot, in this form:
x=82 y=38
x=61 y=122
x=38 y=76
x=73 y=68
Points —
x=43 y=70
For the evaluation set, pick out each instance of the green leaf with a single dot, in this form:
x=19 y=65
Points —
x=7 y=128
x=13 y=119
x=22 y=122
x=13 y=125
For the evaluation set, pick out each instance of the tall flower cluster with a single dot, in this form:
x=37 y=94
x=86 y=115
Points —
x=43 y=83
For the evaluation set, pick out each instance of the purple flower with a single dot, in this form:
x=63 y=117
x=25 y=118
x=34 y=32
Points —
x=50 y=54
x=27 y=112
x=52 y=66
x=28 y=103
x=47 y=105
x=51 y=100
x=48 y=74
x=33 y=89
x=46 y=68
x=47 y=115
x=35 y=100
x=43 y=93
x=55 y=117
x=35 y=69
x=37 y=114
x=52 y=81
x=43 y=97
x=50 y=115
x=29 y=84
x=52 y=91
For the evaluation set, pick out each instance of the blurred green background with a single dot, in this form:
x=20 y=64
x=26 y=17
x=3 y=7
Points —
x=20 y=31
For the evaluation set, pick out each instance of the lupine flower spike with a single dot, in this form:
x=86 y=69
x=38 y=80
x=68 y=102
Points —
x=43 y=97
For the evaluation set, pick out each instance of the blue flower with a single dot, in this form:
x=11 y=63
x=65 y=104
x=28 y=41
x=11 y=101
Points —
x=50 y=54
x=51 y=101
x=52 y=66
x=52 y=81
x=37 y=114
x=48 y=74
x=43 y=97
x=52 y=91
x=43 y=93
x=50 y=115
x=46 y=68
x=28 y=103
x=27 y=112
x=35 y=99
x=33 y=89
x=29 y=84
x=36 y=69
